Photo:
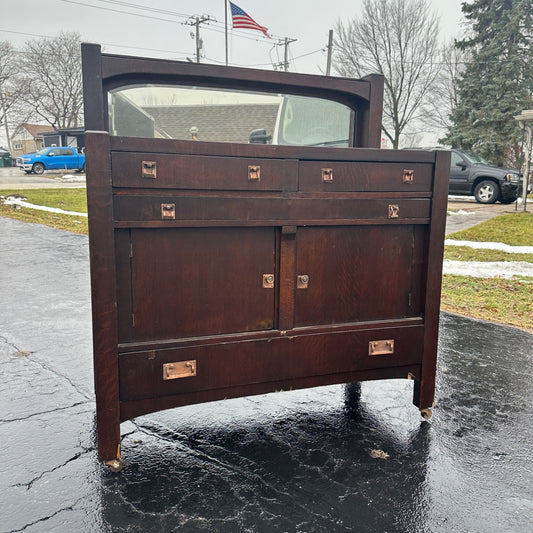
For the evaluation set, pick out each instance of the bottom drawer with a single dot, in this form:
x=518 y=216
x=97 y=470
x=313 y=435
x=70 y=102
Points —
x=155 y=373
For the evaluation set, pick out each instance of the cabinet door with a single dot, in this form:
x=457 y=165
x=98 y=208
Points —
x=358 y=273
x=200 y=281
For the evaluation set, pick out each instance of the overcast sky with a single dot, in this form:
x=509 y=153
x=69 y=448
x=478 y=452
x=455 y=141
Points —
x=161 y=30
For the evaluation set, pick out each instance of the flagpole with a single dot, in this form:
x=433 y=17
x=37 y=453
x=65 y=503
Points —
x=226 y=32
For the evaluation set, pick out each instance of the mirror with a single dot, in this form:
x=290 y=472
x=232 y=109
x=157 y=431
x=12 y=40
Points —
x=218 y=115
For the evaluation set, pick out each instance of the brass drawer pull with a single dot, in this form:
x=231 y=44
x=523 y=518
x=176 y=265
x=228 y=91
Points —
x=381 y=347
x=268 y=281
x=254 y=173
x=180 y=369
x=327 y=175
x=394 y=211
x=168 y=211
x=408 y=176
x=149 y=169
x=302 y=281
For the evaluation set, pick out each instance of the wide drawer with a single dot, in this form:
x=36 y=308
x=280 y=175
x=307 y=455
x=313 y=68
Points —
x=327 y=176
x=215 y=366
x=244 y=210
x=169 y=171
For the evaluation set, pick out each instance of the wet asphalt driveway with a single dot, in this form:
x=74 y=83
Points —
x=329 y=459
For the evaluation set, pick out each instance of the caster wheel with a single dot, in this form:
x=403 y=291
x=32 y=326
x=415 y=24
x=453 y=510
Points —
x=426 y=413
x=115 y=465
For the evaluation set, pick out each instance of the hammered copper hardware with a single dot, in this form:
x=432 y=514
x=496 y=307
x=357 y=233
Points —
x=168 y=211
x=180 y=369
x=394 y=211
x=268 y=281
x=149 y=169
x=408 y=176
x=302 y=282
x=254 y=173
x=381 y=347
x=327 y=175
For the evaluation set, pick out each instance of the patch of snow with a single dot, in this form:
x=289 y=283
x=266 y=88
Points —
x=494 y=269
x=491 y=246
x=462 y=212
x=11 y=200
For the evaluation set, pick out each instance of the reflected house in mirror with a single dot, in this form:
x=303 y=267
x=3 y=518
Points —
x=186 y=113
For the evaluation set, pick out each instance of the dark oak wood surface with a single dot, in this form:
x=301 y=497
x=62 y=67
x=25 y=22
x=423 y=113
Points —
x=254 y=268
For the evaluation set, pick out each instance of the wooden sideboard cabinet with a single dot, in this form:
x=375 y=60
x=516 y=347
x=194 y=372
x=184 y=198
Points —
x=253 y=239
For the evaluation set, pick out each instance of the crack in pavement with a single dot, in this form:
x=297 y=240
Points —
x=7 y=420
x=226 y=466
x=68 y=508
x=30 y=483
x=43 y=365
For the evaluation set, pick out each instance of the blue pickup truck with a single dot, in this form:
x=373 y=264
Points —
x=54 y=158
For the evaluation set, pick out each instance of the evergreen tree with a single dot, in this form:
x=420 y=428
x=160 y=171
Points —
x=497 y=82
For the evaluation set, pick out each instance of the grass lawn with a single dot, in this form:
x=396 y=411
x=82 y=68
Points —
x=66 y=199
x=509 y=301
x=515 y=229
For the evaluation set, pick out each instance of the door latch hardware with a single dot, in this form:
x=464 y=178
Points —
x=408 y=176
x=302 y=282
x=168 y=211
x=394 y=211
x=268 y=281
x=327 y=175
x=149 y=169
x=381 y=347
x=254 y=173
x=180 y=369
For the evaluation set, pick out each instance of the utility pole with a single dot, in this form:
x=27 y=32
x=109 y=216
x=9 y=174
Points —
x=285 y=63
x=525 y=121
x=196 y=21
x=330 y=51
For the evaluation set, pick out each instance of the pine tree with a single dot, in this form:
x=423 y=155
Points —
x=497 y=83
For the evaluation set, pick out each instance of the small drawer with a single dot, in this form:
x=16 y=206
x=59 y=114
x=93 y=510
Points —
x=169 y=171
x=323 y=176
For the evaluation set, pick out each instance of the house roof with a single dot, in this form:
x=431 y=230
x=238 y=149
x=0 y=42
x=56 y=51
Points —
x=35 y=129
x=228 y=123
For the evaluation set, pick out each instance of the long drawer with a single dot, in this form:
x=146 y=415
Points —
x=243 y=209
x=214 y=366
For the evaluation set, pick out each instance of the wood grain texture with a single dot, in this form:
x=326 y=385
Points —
x=192 y=287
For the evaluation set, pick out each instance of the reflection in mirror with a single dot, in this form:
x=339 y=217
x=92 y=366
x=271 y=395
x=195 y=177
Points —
x=213 y=115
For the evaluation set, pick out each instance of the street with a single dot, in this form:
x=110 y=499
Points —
x=329 y=459
x=14 y=178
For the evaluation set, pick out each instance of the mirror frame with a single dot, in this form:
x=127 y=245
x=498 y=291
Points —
x=105 y=72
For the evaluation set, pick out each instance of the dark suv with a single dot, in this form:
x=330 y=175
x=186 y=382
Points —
x=470 y=175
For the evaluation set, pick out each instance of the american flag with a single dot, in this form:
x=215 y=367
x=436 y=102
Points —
x=242 y=20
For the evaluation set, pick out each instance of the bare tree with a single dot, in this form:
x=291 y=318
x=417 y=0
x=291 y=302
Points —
x=51 y=81
x=397 y=38
x=8 y=70
x=443 y=98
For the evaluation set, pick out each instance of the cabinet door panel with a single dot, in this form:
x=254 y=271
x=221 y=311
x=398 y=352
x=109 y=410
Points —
x=356 y=273
x=201 y=281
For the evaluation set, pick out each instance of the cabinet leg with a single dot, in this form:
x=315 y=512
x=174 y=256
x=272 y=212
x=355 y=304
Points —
x=115 y=465
x=423 y=396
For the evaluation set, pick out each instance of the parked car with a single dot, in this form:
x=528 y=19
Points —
x=52 y=158
x=470 y=174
